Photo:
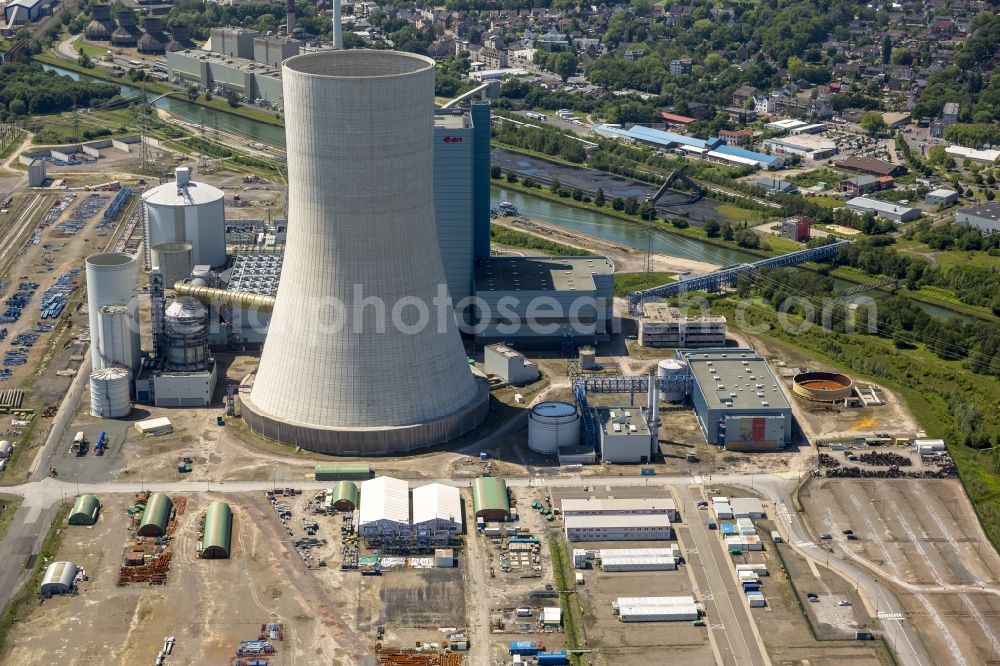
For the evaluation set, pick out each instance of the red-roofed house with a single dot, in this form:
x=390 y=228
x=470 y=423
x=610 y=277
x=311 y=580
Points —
x=675 y=120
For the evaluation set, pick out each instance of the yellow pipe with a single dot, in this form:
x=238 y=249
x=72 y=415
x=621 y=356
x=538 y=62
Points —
x=241 y=299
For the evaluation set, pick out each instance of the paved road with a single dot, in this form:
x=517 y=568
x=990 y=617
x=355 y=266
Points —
x=727 y=613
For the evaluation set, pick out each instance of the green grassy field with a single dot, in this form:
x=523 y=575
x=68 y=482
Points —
x=732 y=213
x=626 y=282
x=514 y=238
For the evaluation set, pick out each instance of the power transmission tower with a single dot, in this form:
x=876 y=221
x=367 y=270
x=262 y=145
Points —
x=143 y=131
x=648 y=264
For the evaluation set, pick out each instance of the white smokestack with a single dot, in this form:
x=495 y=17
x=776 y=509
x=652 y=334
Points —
x=338 y=41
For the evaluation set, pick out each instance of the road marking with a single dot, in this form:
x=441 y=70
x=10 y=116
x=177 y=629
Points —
x=885 y=615
x=717 y=626
x=708 y=596
x=698 y=479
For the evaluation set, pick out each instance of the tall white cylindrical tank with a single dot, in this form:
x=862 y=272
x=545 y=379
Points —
x=115 y=340
x=109 y=393
x=111 y=280
x=361 y=236
x=588 y=358
x=184 y=326
x=671 y=367
x=551 y=425
x=187 y=211
x=173 y=260
x=6 y=448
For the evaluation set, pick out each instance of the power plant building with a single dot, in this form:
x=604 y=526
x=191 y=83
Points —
x=662 y=325
x=509 y=365
x=623 y=435
x=538 y=302
x=737 y=399
x=462 y=193
x=360 y=160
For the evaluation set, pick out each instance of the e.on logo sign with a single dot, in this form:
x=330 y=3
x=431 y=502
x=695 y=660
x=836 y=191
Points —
x=452 y=139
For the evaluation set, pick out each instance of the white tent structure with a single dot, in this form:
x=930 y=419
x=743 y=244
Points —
x=385 y=506
x=437 y=507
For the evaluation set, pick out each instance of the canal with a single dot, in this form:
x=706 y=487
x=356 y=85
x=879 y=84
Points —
x=575 y=219
x=210 y=118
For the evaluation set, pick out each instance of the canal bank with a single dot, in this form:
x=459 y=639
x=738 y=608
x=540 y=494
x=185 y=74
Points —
x=640 y=236
x=207 y=117
x=684 y=243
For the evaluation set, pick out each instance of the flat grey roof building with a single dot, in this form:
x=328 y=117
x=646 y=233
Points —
x=985 y=217
x=737 y=399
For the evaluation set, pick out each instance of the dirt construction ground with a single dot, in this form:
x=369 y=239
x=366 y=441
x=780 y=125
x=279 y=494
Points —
x=207 y=605
x=922 y=536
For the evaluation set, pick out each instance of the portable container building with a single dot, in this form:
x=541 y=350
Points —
x=552 y=659
x=756 y=599
x=745 y=526
x=723 y=510
x=160 y=426
x=525 y=648
x=648 y=563
x=758 y=568
x=681 y=613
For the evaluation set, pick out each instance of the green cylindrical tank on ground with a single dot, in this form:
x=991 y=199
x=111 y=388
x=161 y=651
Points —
x=156 y=516
x=217 y=539
x=85 y=510
x=344 y=496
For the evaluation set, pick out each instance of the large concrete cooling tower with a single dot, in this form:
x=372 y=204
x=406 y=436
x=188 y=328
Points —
x=332 y=376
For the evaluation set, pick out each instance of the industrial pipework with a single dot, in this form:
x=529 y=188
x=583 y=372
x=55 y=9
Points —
x=241 y=299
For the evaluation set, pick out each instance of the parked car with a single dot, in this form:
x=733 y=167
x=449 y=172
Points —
x=812 y=596
x=844 y=602
x=848 y=531
x=825 y=536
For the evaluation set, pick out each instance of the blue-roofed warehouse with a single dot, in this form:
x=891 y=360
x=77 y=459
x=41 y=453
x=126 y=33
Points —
x=711 y=148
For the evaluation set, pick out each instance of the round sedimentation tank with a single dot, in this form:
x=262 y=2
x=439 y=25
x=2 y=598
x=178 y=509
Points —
x=822 y=386
x=109 y=393
x=187 y=211
x=111 y=280
x=173 y=260
x=551 y=425
x=671 y=367
x=184 y=325
x=360 y=145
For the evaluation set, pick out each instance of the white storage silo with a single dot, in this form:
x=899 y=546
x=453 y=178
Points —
x=671 y=368
x=588 y=358
x=187 y=211
x=551 y=425
x=109 y=393
x=111 y=280
x=116 y=344
x=173 y=260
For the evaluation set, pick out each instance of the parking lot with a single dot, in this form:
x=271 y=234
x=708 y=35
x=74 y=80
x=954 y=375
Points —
x=924 y=538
